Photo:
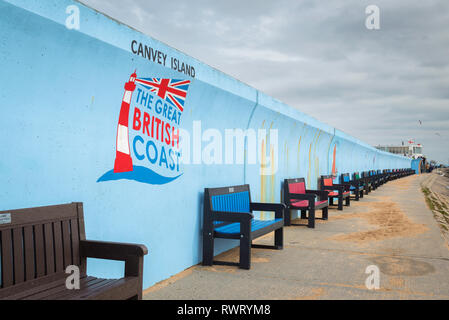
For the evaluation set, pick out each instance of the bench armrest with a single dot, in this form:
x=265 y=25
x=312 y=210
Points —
x=345 y=186
x=334 y=187
x=111 y=250
x=131 y=254
x=277 y=208
x=231 y=216
x=323 y=195
x=302 y=196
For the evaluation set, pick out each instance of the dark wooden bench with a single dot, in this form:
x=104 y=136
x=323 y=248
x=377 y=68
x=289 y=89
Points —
x=358 y=177
x=381 y=177
x=336 y=191
x=228 y=214
x=367 y=181
x=297 y=197
x=375 y=179
x=38 y=244
x=355 y=186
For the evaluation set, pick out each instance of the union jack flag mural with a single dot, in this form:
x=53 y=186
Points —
x=171 y=90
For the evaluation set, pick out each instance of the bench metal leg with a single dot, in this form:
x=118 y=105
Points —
x=208 y=250
x=361 y=193
x=340 y=202
x=245 y=252
x=303 y=214
x=348 y=201
x=325 y=213
x=311 y=218
x=278 y=241
x=357 y=195
x=288 y=217
x=279 y=238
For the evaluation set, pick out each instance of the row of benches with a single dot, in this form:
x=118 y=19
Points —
x=229 y=212
x=38 y=244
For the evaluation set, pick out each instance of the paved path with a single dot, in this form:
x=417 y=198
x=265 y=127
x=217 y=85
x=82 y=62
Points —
x=391 y=228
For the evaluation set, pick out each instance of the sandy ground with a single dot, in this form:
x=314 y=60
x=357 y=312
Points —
x=392 y=229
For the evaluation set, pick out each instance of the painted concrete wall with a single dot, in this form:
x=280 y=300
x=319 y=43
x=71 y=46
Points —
x=417 y=165
x=61 y=96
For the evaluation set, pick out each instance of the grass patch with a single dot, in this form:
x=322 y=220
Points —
x=428 y=198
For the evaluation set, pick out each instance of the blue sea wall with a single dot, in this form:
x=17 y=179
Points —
x=416 y=165
x=62 y=92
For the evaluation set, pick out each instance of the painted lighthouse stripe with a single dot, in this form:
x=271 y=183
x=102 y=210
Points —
x=127 y=97
x=122 y=139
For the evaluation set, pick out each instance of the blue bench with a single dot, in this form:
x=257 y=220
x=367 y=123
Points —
x=355 y=185
x=228 y=214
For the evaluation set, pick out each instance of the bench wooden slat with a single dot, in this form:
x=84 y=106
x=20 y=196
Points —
x=59 y=254
x=67 y=245
x=33 y=216
x=19 y=262
x=49 y=249
x=85 y=288
x=60 y=288
x=18 y=291
x=92 y=289
x=39 y=246
x=48 y=288
x=7 y=259
x=123 y=286
x=75 y=241
x=28 y=242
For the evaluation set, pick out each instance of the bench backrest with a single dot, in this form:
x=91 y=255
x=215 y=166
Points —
x=39 y=243
x=297 y=186
x=345 y=177
x=228 y=199
x=326 y=181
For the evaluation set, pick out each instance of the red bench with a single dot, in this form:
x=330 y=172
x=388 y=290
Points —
x=336 y=191
x=297 y=197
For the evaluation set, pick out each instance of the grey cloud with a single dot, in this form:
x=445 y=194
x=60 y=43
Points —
x=374 y=85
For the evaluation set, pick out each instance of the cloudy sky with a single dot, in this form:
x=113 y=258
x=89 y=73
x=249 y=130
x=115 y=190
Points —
x=319 y=57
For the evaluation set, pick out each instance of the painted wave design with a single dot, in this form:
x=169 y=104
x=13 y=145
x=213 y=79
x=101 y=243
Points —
x=139 y=174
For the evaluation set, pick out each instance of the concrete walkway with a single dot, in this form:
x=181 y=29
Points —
x=391 y=228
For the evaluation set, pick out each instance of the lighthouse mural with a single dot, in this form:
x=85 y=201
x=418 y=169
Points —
x=123 y=160
x=148 y=132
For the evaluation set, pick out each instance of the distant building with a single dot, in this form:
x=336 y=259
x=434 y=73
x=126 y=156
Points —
x=411 y=150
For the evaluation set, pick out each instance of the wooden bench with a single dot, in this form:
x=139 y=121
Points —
x=358 y=177
x=367 y=181
x=381 y=177
x=228 y=214
x=297 y=197
x=375 y=179
x=38 y=244
x=336 y=191
x=387 y=175
x=355 y=186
